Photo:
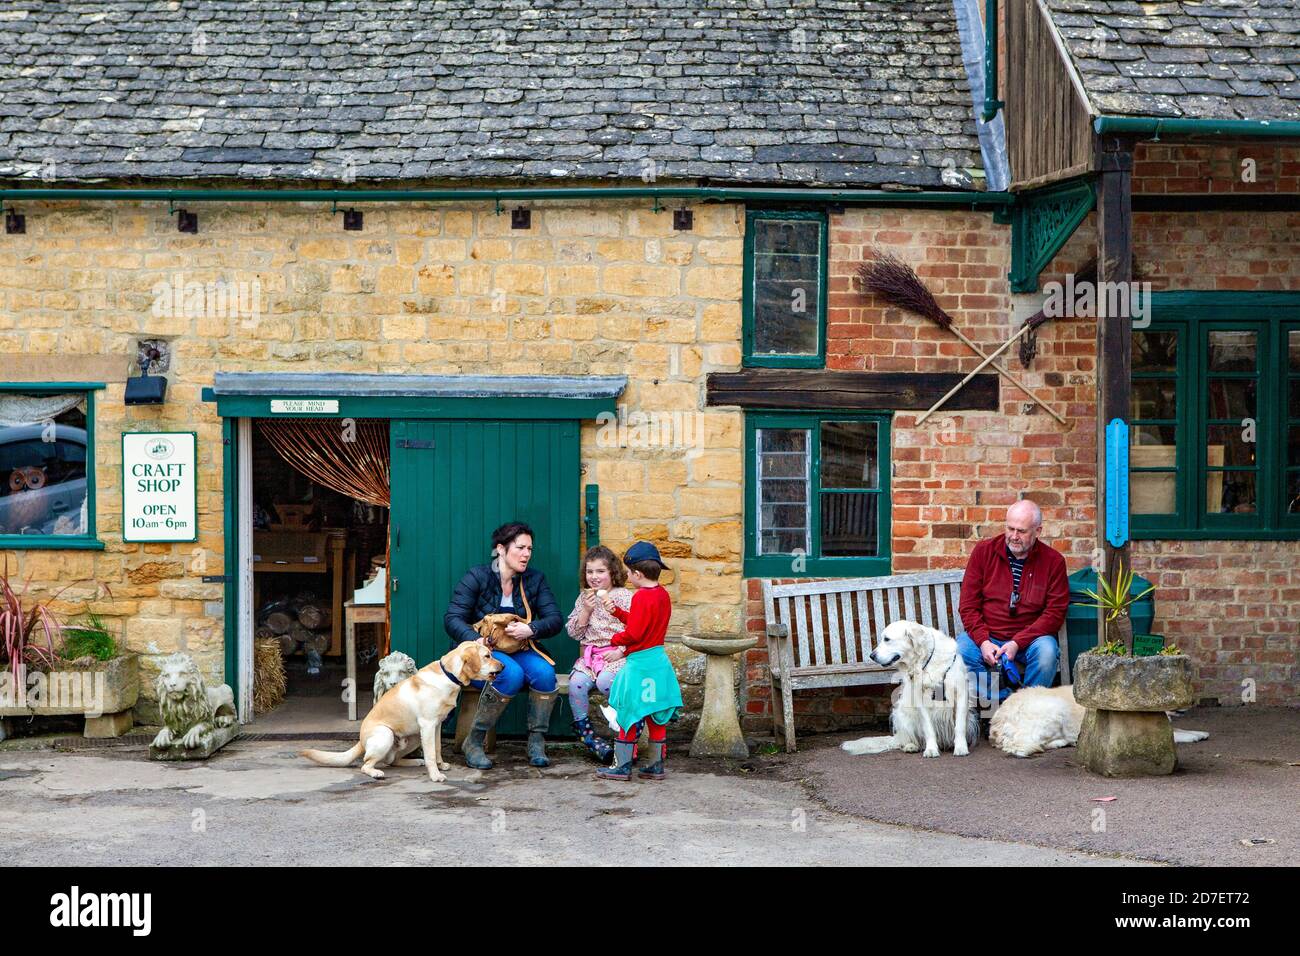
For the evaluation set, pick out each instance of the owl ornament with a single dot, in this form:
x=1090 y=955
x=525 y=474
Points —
x=26 y=510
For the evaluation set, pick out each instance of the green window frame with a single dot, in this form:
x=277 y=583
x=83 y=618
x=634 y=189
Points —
x=790 y=564
x=63 y=542
x=752 y=357
x=1202 y=461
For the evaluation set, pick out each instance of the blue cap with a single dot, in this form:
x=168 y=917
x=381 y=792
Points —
x=644 y=551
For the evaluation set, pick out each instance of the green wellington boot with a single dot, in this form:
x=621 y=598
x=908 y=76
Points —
x=490 y=706
x=539 y=719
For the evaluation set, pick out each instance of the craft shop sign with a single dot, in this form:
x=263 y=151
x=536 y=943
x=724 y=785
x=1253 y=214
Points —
x=159 y=487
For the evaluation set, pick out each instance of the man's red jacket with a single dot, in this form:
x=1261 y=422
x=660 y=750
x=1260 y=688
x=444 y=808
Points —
x=986 y=594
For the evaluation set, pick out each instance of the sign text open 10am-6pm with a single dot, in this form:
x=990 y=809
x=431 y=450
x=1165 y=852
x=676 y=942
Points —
x=159 y=487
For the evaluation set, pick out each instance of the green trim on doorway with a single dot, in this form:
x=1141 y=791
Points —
x=383 y=406
x=230 y=545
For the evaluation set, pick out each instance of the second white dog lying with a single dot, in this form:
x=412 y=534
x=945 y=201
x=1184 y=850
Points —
x=1035 y=719
x=932 y=706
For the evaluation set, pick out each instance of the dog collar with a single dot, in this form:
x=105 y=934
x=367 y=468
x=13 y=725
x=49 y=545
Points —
x=451 y=677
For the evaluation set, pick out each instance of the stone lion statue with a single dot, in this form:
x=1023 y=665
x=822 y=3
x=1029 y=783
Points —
x=190 y=709
x=393 y=669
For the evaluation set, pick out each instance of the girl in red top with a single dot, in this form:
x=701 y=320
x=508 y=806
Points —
x=646 y=688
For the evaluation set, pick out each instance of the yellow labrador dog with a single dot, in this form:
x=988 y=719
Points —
x=932 y=707
x=410 y=715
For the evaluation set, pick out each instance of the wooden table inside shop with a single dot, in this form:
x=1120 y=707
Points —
x=308 y=552
x=358 y=614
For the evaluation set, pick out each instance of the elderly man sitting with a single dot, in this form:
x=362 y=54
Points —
x=1013 y=600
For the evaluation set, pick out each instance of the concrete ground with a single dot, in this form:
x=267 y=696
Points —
x=1241 y=784
x=258 y=803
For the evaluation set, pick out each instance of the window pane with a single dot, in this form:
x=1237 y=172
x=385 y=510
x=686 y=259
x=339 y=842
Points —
x=1155 y=351
x=849 y=457
x=1153 y=492
x=1293 y=349
x=1230 y=492
x=1228 y=446
x=1152 y=437
x=849 y=524
x=1232 y=398
x=783 y=459
x=1293 y=492
x=787 y=286
x=43 y=466
x=1232 y=351
x=1295 y=398
x=1154 y=398
x=1293 y=446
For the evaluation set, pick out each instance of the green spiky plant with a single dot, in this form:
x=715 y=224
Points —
x=89 y=639
x=1116 y=601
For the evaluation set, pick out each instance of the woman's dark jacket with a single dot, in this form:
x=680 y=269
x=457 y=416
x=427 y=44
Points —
x=479 y=594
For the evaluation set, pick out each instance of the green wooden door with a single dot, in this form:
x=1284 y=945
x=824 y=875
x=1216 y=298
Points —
x=453 y=484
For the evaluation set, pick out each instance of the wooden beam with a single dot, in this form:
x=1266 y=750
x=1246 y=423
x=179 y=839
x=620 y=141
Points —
x=844 y=391
x=1114 y=332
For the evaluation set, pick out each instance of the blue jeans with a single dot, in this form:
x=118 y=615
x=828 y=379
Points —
x=1037 y=665
x=525 y=667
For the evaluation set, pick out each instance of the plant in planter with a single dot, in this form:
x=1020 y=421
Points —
x=1125 y=731
x=1117 y=602
x=85 y=675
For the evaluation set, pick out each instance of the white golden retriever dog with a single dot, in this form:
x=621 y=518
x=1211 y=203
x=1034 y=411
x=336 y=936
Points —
x=1035 y=719
x=932 y=706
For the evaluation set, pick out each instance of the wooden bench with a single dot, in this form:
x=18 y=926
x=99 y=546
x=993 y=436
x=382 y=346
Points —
x=821 y=633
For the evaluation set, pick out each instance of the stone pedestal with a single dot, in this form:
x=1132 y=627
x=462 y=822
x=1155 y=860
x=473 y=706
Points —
x=718 y=734
x=1125 y=732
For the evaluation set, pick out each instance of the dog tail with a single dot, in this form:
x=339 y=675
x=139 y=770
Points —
x=870 y=745
x=327 y=758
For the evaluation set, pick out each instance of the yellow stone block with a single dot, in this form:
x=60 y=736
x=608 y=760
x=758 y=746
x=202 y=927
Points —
x=715 y=282
x=707 y=586
x=394 y=280
x=580 y=222
x=436 y=280
x=665 y=475
x=636 y=279
x=147 y=635
x=574 y=280
x=721 y=322
x=720 y=540
x=717 y=466
x=720 y=252
x=631 y=506
x=621 y=475
x=711 y=502
x=519 y=279
x=404 y=327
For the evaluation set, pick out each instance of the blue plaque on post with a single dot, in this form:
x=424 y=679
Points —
x=1117 y=482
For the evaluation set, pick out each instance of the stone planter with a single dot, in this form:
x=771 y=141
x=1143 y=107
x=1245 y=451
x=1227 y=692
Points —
x=1125 y=731
x=104 y=691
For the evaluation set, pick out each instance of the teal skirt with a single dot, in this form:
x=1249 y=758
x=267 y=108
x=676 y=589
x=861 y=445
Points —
x=646 y=687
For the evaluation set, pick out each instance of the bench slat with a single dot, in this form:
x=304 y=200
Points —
x=909 y=604
x=859 y=648
x=927 y=600
x=954 y=598
x=878 y=618
x=804 y=657
x=816 y=606
x=892 y=596
x=834 y=602
x=941 y=609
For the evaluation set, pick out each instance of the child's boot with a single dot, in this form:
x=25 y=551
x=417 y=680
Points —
x=622 y=769
x=654 y=770
x=598 y=746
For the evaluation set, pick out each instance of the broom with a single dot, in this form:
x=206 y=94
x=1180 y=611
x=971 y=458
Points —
x=887 y=276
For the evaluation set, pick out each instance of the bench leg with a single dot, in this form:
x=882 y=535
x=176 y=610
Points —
x=783 y=713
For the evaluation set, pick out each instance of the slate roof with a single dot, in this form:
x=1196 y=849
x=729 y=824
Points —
x=825 y=92
x=1219 y=59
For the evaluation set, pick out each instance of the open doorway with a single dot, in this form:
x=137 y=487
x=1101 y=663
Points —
x=319 y=534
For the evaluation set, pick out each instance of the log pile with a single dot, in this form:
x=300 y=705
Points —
x=298 y=624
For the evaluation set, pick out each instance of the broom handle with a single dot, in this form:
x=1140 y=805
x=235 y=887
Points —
x=979 y=368
x=1011 y=378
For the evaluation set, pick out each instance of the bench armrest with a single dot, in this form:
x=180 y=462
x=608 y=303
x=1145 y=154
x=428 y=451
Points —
x=779 y=631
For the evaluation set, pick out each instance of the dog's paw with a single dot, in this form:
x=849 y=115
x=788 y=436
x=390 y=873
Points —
x=913 y=748
x=437 y=777
x=961 y=750
x=930 y=752
x=376 y=774
x=444 y=765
